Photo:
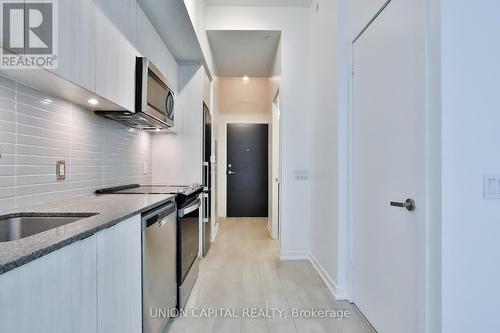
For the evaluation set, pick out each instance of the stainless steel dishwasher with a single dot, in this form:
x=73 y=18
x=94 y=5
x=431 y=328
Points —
x=159 y=284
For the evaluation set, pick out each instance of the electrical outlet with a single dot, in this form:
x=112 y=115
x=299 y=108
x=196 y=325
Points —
x=61 y=170
x=491 y=186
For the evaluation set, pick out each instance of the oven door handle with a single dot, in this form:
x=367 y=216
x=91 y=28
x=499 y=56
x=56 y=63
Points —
x=206 y=174
x=191 y=208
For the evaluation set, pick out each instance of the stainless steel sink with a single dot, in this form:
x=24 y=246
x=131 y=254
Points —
x=21 y=225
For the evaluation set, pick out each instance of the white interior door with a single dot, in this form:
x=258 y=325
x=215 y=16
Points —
x=388 y=160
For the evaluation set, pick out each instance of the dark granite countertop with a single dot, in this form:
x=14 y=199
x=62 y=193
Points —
x=111 y=209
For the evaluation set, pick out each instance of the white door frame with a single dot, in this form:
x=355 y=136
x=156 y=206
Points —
x=276 y=178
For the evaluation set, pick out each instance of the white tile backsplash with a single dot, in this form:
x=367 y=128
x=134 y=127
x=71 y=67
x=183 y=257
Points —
x=37 y=130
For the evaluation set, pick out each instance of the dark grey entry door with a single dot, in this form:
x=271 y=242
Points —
x=247 y=170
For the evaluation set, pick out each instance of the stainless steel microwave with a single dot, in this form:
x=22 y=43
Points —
x=153 y=96
x=154 y=100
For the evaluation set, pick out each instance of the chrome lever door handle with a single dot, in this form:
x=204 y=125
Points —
x=409 y=204
x=231 y=173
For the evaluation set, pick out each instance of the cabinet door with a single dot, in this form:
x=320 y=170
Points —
x=115 y=63
x=119 y=286
x=76 y=52
x=122 y=13
x=150 y=44
x=148 y=40
x=55 y=293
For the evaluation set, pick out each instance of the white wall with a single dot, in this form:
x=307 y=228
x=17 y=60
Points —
x=324 y=153
x=470 y=140
x=177 y=158
x=294 y=24
x=238 y=103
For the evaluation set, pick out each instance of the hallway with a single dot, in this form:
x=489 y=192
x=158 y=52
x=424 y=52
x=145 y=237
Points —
x=242 y=271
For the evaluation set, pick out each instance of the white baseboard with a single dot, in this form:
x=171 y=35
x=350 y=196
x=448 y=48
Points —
x=339 y=293
x=293 y=255
x=269 y=230
x=214 y=234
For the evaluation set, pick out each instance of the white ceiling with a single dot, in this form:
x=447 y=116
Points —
x=260 y=3
x=240 y=53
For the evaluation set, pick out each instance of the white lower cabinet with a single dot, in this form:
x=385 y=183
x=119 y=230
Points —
x=119 y=295
x=55 y=293
x=90 y=286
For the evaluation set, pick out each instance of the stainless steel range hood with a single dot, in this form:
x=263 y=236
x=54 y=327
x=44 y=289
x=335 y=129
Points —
x=138 y=120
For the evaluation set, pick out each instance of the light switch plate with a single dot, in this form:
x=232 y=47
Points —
x=145 y=168
x=491 y=186
x=61 y=170
x=301 y=174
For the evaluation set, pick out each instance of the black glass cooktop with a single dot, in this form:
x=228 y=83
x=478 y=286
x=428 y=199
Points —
x=186 y=190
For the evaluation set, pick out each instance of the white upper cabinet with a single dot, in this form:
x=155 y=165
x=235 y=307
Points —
x=76 y=54
x=122 y=13
x=115 y=57
x=150 y=45
x=96 y=51
x=98 y=42
x=147 y=38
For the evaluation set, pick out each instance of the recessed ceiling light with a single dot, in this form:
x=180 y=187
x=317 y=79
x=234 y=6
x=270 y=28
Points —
x=93 y=101
x=245 y=79
x=267 y=37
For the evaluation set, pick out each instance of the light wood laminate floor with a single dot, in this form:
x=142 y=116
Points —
x=243 y=271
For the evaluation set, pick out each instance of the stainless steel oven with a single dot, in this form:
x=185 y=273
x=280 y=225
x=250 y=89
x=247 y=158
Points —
x=187 y=242
x=188 y=245
x=154 y=100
